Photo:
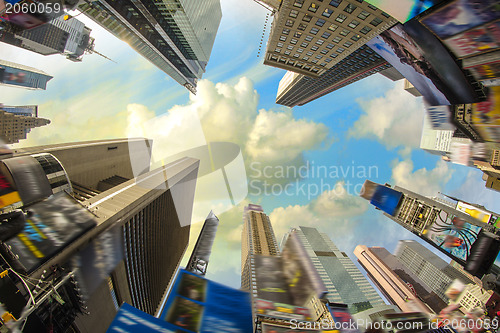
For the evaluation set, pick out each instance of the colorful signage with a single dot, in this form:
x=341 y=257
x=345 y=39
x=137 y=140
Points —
x=403 y=10
x=475 y=212
x=131 y=320
x=281 y=310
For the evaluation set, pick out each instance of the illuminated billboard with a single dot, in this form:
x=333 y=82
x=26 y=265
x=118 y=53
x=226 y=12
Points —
x=382 y=197
x=403 y=10
x=196 y=304
x=281 y=310
x=452 y=234
x=475 y=212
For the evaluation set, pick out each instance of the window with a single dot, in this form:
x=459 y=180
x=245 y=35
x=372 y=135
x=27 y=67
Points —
x=363 y=15
x=304 y=44
x=341 y=18
x=323 y=64
x=345 y=32
x=333 y=27
x=333 y=55
x=289 y=23
x=314 y=48
x=314 y=31
x=386 y=15
x=302 y=26
x=277 y=50
x=326 y=35
x=305 y=58
x=300 y=50
x=294 y=13
x=337 y=39
x=298 y=3
x=339 y=50
x=355 y=38
x=320 y=22
x=328 y=60
x=313 y=8
x=286 y=31
x=347 y=44
x=330 y=46
x=280 y=44
x=325 y=51
x=309 y=53
x=319 y=56
x=314 y=61
x=290 y=47
x=283 y=38
x=296 y=55
x=297 y=34
x=320 y=42
x=365 y=30
x=372 y=7
x=376 y=21
x=353 y=24
x=309 y=38
x=307 y=18
x=349 y=8
x=335 y=3
x=327 y=13
x=288 y=52
x=293 y=41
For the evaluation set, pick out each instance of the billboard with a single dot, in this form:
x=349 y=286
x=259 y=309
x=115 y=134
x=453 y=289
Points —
x=51 y=225
x=422 y=59
x=131 y=320
x=196 y=304
x=302 y=277
x=382 y=197
x=403 y=10
x=9 y=198
x=271 y=282
x=439 y=117
x=474 y=41
x=343 y=320
x=452 y=234
x=270 y=328
x=461 y=15
x=486 y=116
x=281 y=311
x=475 y=212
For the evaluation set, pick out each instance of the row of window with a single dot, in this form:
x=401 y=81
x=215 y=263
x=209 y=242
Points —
x=340 y=18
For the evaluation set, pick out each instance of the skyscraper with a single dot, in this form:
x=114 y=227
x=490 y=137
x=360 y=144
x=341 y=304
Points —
x=257 y=237
x=345 y=283
x=177 y=36
x=309 y=37
x=298 y=89
x=142 y=222
x=16 y=123
x=198 y=261
x=17 y=75
x=400 y=288
x=436 y=273
x=68 y=37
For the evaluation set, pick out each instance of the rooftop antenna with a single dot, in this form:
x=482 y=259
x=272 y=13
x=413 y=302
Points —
x=90 y=49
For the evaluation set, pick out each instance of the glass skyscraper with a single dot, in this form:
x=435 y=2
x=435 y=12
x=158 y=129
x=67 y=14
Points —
x=175 y=35
x=17 y=75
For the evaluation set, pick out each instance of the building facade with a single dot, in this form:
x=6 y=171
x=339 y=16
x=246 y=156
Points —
x=392 y=287
x=309 y=36
x=298 y=89
x=343 y=280
x=141 y=230
x=177 y=36
x=17 y=75
x=15 y=127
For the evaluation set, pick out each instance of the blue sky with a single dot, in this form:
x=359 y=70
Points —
x=372 y=125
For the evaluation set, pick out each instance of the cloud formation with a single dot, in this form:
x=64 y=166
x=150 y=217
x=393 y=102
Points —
x=422 y=181
x=394 y=119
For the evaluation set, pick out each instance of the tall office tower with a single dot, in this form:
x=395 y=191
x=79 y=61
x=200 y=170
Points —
x=309 y=36
x=399 y=285
x=177 y=36
x=58 y=36
x=344 y=281
x=436 y=273
x=198 y=261
x=141 y=227
x=257 y=237
x=298 y=89
x=438 y=141
x=17 y=75
x=15 y=127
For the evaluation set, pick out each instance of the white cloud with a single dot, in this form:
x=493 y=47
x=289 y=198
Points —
x=421 y=181
x=334 y=207
x=394 y=119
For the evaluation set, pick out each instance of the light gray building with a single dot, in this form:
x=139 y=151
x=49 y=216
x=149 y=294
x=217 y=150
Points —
x=177 y=36
x=17 y=75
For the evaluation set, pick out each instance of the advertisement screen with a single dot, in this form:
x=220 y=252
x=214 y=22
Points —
x=51 y=225
x=452 y=234
x=271 y=283
x=386 y=199
x=281 y=310
x=461 y=15
x=343 y=320
x=196 y=304
x=403 y=10
x=130 y=320
x=8 y=196
x=302 y=278
x=475 y=212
